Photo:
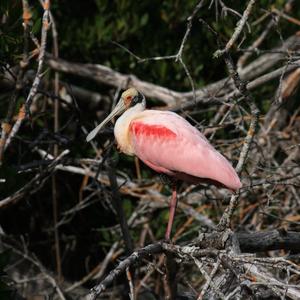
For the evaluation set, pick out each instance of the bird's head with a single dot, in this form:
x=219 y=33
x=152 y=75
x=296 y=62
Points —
x=129 y=98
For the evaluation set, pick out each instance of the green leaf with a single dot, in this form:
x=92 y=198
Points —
x=144 y=19
x=36 y=28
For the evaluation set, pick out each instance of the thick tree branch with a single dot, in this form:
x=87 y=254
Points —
x=173 y=99
x=269 y=240
x=208 y=246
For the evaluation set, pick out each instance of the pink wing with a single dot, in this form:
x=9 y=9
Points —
x=169 y=144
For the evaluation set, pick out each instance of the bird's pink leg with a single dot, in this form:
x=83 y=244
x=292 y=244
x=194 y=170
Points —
x=173 y=205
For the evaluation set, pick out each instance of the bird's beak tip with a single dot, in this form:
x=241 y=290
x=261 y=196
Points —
x=90 y=136
x=119 y=109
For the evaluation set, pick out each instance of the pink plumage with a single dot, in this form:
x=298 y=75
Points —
x=169 y=144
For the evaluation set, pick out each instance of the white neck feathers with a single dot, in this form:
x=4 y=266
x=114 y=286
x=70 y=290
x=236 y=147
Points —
x=121 y=129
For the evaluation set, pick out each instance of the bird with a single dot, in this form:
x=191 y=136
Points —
x=168 y=144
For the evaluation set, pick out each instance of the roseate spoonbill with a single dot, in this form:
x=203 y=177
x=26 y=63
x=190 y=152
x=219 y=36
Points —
x=168 y=144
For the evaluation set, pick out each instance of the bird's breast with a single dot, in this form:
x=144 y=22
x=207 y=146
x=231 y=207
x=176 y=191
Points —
x=123 y=138
x=122 y=129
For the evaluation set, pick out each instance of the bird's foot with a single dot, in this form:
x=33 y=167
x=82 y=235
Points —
x=168 y=240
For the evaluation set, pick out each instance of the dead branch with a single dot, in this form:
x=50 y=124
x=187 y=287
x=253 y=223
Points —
x=269 y=240
x=33 y=185
x=171 y=98
x=240 y=25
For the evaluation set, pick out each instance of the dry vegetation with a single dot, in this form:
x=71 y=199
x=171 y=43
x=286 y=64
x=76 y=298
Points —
x=60 y=237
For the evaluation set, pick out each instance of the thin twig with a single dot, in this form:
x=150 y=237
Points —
x=45 y=27
x=129 y=261
x=131 y=288
x=242 y=60
x=240 y=25
x=98 y=271
x=120 y=210
x=241 y=86
x=211 y=276
x=34 y=184
x=31 y=258
x=55 y=152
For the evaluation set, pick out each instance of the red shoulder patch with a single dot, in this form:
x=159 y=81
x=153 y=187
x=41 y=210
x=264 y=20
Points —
x=139 y=128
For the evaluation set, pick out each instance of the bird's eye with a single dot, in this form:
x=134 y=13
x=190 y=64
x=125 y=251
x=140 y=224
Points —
x=128 y=101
